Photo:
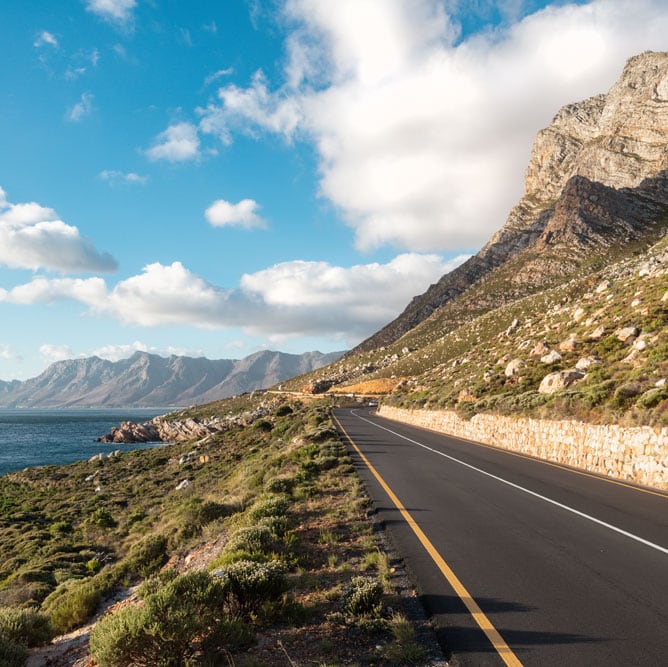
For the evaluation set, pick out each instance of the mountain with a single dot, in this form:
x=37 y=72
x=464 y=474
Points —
x=581 y=259
x=150 y=380
x=596 y=178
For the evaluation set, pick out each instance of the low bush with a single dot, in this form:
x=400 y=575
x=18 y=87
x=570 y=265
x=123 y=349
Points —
x=248 y=585
x=12 y=654
x=252 y=540
x=281 y=484
x=277 y=505
x=75 y=606
x=28 y=627
x=148 y=555
x=177 y=622
x=363 y=596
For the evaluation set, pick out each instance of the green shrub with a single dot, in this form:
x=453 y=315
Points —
x=269 y=506
x=278 y=525
x=252 y=540
x=627 y=391
x=263 y=425
x=75 y=606
x=177 y=622
x=363 y=596
x=283 y=410
x=248 y=585
x=28 y=627
x=653 y=397
x=117 y=639
x=281 y=484
x=148 y=555
x=102 y=518
x=12 y=654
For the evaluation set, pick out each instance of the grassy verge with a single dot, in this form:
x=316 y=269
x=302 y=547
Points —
x=299 y=578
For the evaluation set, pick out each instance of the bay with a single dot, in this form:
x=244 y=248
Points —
x=34 y=437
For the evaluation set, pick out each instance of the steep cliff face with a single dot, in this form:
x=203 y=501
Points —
x=596 y=177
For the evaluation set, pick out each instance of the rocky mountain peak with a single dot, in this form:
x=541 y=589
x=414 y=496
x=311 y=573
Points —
x=597 y=176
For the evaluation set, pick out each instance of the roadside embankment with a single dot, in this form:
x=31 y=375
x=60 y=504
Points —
x=635 y=454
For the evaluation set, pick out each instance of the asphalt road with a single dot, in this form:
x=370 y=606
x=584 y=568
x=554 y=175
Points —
x=559 y=567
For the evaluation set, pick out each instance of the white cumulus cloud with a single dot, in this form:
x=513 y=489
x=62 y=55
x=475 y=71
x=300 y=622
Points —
x=423 y=139
x=178 y=143
x=117 y=11
x=52 y=353
x=288 y=300
x=33 y=237
x=242 y=214
x=7 y=353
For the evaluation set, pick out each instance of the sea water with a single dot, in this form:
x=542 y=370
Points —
x=33 y=437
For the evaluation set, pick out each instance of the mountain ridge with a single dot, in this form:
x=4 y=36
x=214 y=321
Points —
x=149 y=380
x=617 y=141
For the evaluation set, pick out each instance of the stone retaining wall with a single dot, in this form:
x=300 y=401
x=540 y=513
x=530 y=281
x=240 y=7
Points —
x=636 y=454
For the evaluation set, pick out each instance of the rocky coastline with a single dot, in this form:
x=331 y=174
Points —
x=166 y=428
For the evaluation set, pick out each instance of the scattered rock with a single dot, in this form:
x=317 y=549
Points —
x=605 y=285
x=640 y=344
x=184 y=484
x=540 y=350
x=584 y=363
x=514 y=367
x=578 y=314
x=513 y=327
x=627 y=334
x=569 y=345
x=551 y=357
x=556 y=381
x=596 y=334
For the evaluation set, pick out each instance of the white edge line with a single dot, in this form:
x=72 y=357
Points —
x=520 y=488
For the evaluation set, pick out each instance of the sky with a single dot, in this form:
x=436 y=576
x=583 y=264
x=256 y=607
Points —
x=213 y=178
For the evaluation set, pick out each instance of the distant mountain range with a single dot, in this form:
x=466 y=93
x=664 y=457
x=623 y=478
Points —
x=148 y=380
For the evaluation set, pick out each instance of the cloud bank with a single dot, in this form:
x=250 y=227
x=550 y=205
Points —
x=33 y=237
x=423 y=138
x=291 y=299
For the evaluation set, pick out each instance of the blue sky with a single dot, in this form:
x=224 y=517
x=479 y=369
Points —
x=213 y=178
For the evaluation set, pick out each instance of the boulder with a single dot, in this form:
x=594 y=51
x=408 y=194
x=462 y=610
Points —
x=514 y=367
x=540 y=349
x=551 y=357
x=584 y=363
x=627 y=334
x=602 y=287
x=596 y=334
x=555 y=381
x=568 y=345
x=578 y=314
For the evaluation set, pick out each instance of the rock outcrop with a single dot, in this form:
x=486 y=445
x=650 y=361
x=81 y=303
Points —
x=169 y=428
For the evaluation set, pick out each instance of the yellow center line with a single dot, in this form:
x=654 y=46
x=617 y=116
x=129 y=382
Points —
x=504 y=651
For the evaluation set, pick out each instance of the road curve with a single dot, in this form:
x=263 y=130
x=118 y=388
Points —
x=564 y=568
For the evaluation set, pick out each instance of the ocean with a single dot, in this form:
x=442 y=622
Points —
x=32 y=437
